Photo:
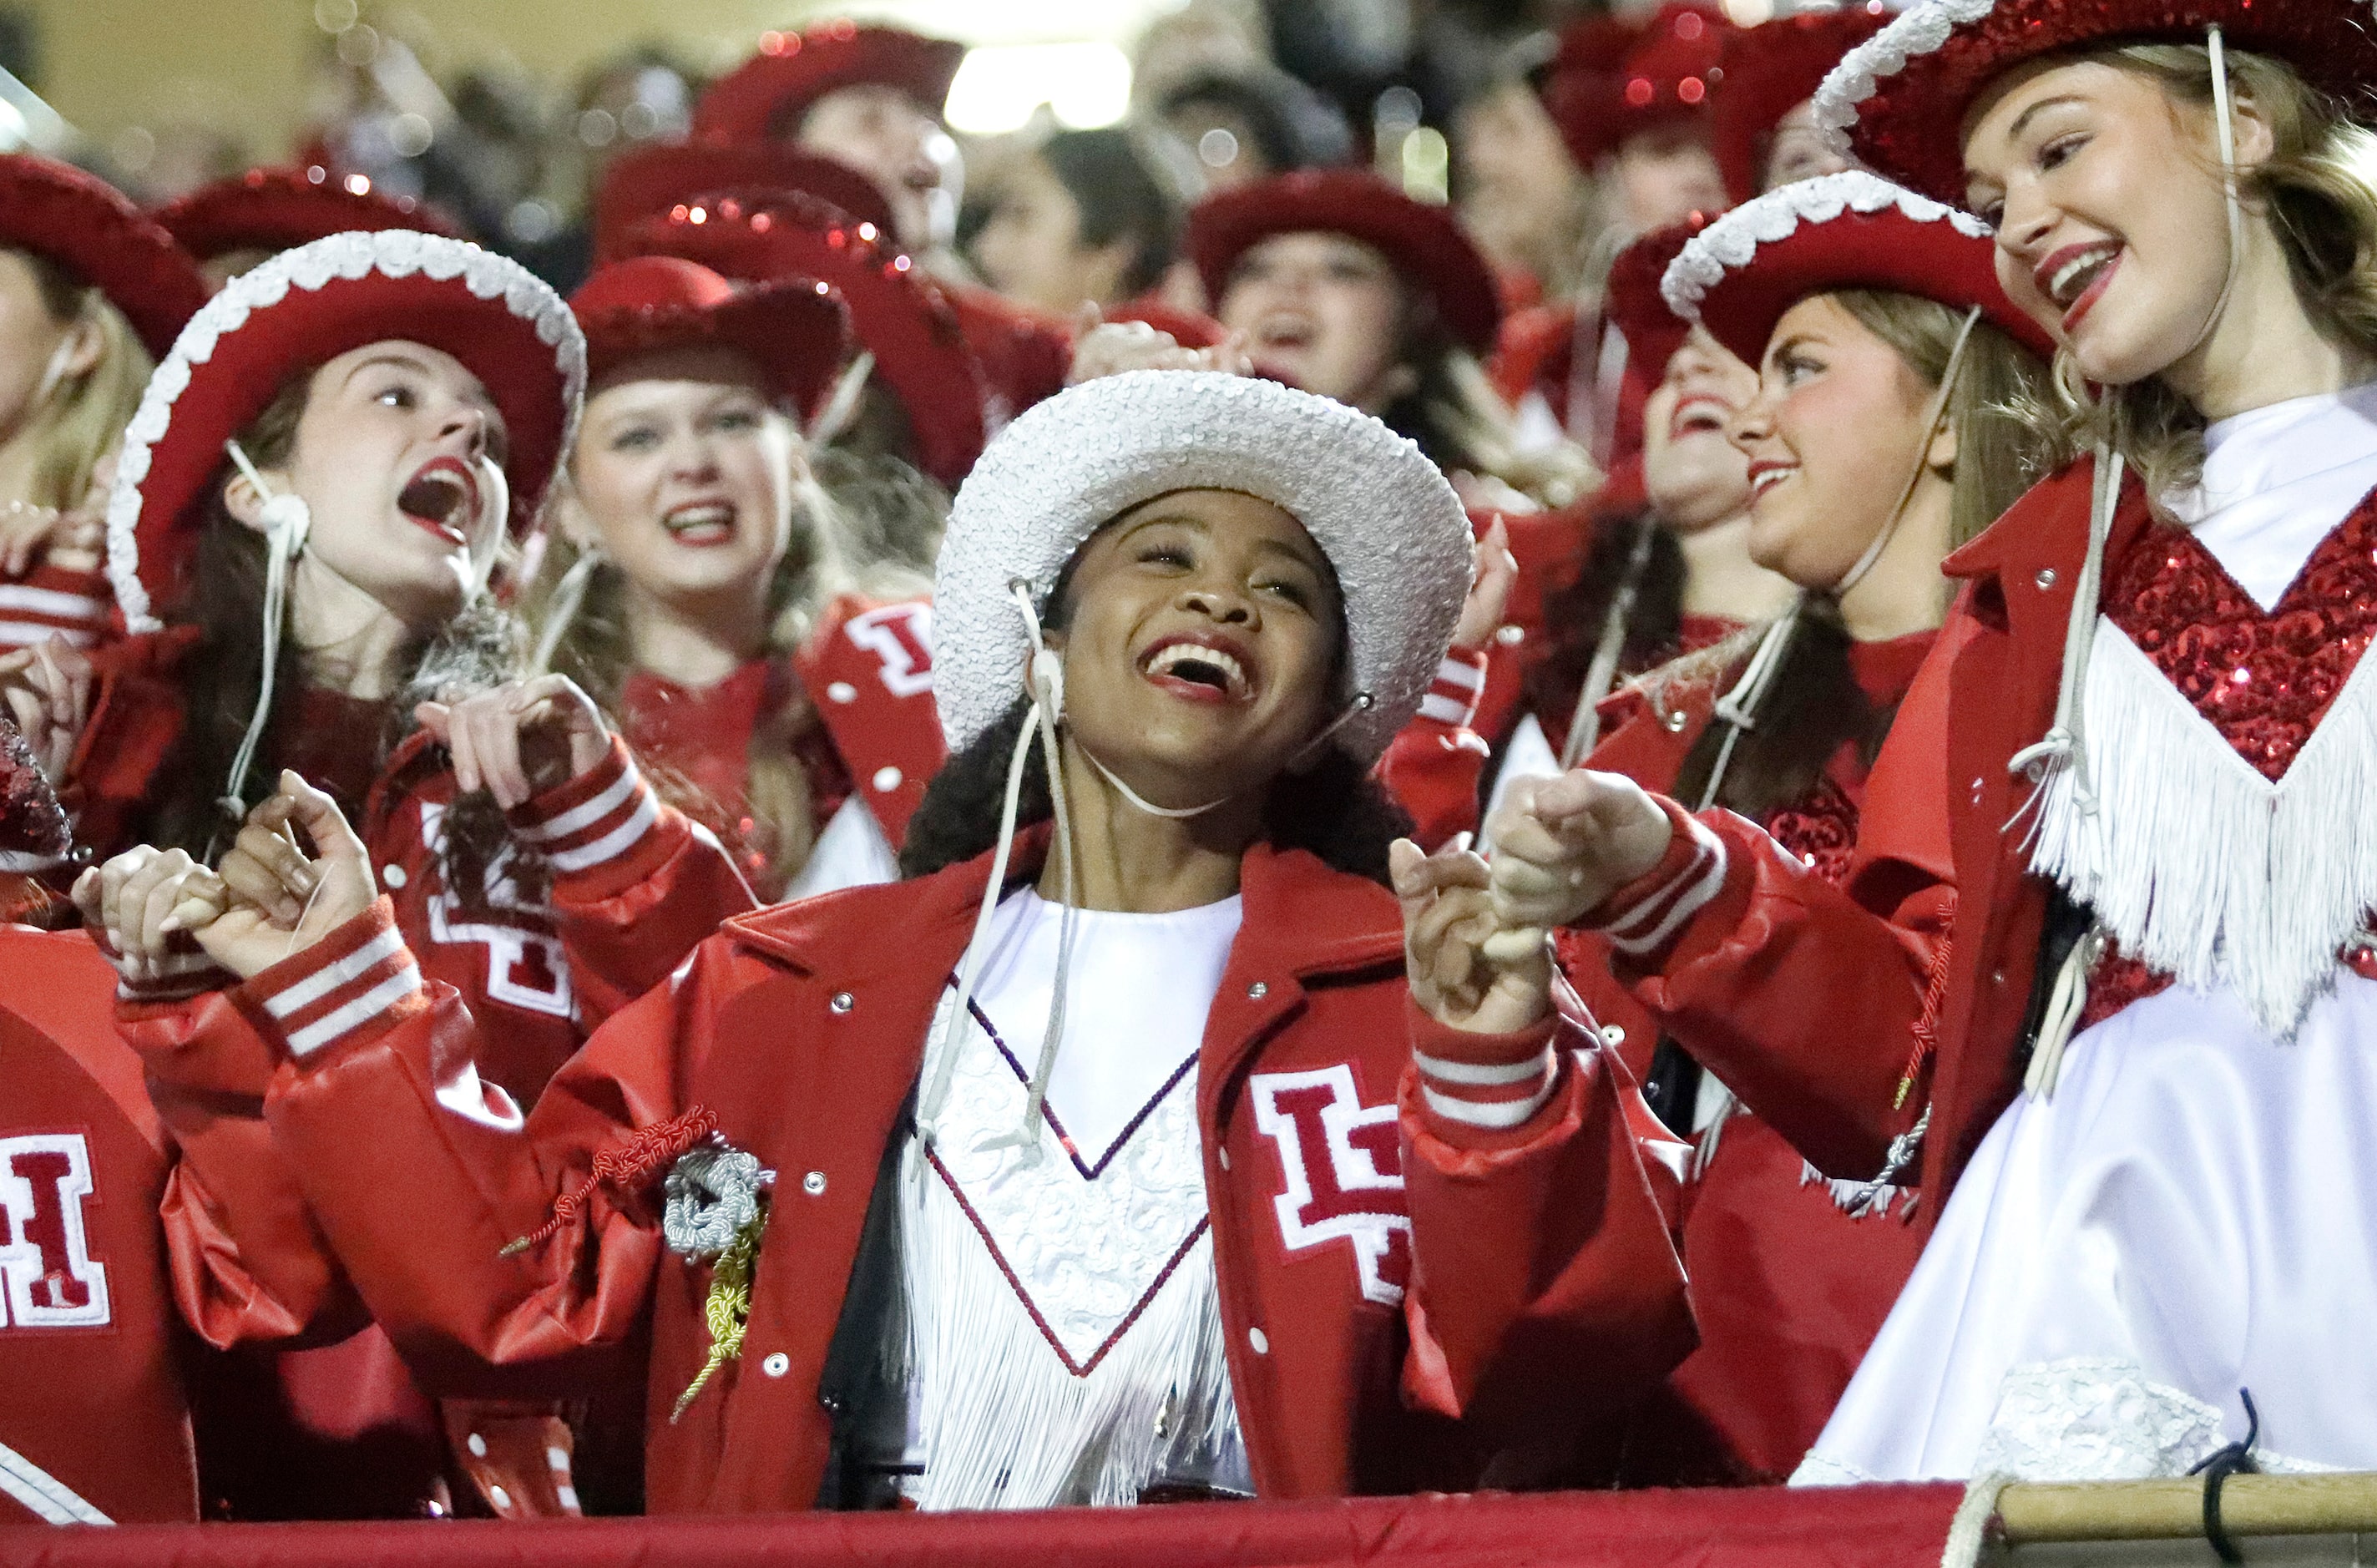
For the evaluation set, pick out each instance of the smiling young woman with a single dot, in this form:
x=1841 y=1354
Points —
x=321 y=478
x=2113 y=926
x=1047 y=1223
x=690 y=586
x=1878 y=435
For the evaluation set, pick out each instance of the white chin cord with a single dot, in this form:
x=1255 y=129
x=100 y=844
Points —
x=2224 y=130
x=286 y=522
x=1046 y=682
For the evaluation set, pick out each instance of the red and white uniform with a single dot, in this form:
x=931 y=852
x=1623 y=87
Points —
x=96 y=1425
x=1788 y=1287
x=2178 y=1153
x=1491 y=1250
x=867 y=673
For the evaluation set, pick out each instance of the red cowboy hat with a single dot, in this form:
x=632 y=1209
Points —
x=1610 y=81
x=288 y=315
x=1902 y=96
x=663 y=176
x=796 y=331
x=89 y=228
x=758 y=100
x=1771 y=70
x=1844 y=231
x=1632 y=301
x=896 y=313
x=1423 y=242
x=273 y=210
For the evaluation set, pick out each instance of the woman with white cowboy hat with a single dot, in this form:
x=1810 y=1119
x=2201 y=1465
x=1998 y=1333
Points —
x=691 y=584
x=1104 y=1159
x=322 y=474
x=2100 y=981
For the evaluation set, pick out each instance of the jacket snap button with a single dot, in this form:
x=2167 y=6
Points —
x=478 y=1446
x=812 y=1183
x=1257 y=991
x=843 y=1001
x=777 y=1365
x=842 y=691
x=1511 y=636
x=2046 y=578
x=1977 y=791
x=1259 y=1340
x=392 y=874
x=1613 y=1036
x=887 y=780
x=1224 y=1155
x=499 y=1496
x=1676 y=720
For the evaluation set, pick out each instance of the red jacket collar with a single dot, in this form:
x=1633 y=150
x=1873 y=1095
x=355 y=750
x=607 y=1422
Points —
x=1301 y=917
x=2048 y=530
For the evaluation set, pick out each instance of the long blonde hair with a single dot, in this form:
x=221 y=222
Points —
x=2319 y=189
x=594 y=649
x=79 y=419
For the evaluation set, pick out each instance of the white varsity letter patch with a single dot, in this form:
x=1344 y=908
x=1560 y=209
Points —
x=901 y=638
x=50 y=1278
x=1343 y=1162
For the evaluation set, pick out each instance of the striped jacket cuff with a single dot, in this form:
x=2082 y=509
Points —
x=70 y=605
x=596 y=819
x=1641 y=918
x=184 y=972
x=1460 y=684
x=357 y=981
x=1492 y=1082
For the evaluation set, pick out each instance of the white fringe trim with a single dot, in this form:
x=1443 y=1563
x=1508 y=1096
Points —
x=1731 y=243
x=1003 y=1423
x=2200 y=866
x=393 y=252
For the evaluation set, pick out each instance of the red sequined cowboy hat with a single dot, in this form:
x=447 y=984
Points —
x=274 y=210
x=1772 y=70
x=1611 y=80
x=896 y=313
x=797 y=333
x=1848 y=231
x=762 y=98
x=1898 y=100
x=1425 y=241
x=1632 y=301
x=662 y=176
x=288 y=315
x=92 y=230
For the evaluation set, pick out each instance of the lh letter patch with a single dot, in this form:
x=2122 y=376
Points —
x=1343 y=1161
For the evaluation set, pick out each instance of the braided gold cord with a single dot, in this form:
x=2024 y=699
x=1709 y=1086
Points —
x=727 y=1308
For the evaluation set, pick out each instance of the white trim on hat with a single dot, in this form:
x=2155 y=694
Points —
x=1923 y=28
x=1731 y=243
x=1391 y=526
x=392 y=253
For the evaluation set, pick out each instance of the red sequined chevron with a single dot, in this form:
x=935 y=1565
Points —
x=2262 y=679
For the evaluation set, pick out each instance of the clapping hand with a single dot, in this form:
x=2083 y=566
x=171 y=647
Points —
x=1562 y=845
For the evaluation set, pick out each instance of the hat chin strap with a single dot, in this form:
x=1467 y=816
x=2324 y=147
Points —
x=2225 y=129
x=1046 y=681
x=287 y=520
x=1939 y=411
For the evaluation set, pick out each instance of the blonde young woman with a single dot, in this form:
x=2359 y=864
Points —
x=90 y=292
x=2102 y=983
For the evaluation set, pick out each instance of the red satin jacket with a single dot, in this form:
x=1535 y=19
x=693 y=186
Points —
x=1513 y=1288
